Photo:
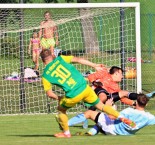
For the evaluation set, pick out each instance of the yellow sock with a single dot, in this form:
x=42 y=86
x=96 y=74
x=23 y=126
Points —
x=63 y=120
x=110 y=111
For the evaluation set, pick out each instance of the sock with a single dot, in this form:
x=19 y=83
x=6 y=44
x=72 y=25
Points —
x=127 y=101
x=149 y=95
x=94 y=130
x=132 y=96
x=77 y=119
x=109 y=110
x=67 y=132
x=63 y=120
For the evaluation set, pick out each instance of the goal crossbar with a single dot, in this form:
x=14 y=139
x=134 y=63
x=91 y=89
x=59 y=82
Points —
x=73 y=5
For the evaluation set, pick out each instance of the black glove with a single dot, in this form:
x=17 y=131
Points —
x=97 y=84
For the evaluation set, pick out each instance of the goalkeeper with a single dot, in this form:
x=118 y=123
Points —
x=106 y=125
x=60 y=72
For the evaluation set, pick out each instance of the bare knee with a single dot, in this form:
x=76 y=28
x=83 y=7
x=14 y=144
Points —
x=89 y=114
x=103 y=97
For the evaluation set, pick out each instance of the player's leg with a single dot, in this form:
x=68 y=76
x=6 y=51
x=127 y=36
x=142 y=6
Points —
x=63 y=121
x=102 y=94
x=122 y=96
x=151 y=94
x=68 y=103
x=80 y=118
x=103 y=124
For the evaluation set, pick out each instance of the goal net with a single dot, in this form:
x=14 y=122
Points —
x=107 y=33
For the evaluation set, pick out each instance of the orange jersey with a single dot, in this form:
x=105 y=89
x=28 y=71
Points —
x=105 y=78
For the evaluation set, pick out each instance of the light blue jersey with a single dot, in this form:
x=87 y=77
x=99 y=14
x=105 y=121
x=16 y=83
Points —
x=141 y=118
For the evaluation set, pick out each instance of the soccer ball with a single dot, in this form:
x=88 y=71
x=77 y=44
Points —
x=130 y=73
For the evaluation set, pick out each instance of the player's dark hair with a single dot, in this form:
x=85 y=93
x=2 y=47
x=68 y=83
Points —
x=142 y=99
x=45 y=54
x=114 y=69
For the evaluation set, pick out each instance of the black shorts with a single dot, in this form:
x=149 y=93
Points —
x=97 y=116
x=101 y=90
x=114 y=95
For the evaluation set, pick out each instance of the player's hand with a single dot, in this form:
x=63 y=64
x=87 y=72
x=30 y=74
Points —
x=97 y=84
x=128 y=122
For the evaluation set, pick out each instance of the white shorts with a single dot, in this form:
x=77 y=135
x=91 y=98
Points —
x=107 y=124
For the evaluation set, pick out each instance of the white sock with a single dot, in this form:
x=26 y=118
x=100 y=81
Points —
x=67 y=132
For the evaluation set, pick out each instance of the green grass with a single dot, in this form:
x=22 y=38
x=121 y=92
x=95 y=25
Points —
x=39 y=130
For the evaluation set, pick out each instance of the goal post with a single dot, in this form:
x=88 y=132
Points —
x=94 y=31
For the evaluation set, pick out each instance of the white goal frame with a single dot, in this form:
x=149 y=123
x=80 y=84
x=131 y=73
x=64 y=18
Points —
x=97 y=5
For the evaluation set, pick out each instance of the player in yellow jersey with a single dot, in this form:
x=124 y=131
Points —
x=59 y=71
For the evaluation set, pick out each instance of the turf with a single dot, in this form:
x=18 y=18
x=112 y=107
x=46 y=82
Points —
x=39 y=130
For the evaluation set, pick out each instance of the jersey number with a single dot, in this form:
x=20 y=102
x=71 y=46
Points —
x=62 y=73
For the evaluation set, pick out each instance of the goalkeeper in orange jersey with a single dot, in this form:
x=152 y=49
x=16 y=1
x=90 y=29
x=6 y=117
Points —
x=59 y=71
x=106 y=85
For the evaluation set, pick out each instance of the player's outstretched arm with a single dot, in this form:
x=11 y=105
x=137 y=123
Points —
x=97 y=67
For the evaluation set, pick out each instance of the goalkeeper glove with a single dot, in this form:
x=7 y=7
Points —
x=128 y=122
x=97 y=84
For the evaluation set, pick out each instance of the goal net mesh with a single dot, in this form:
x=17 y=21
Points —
x=91 y=33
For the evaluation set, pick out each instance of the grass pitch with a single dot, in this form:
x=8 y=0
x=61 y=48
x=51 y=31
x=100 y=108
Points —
x=39 y=130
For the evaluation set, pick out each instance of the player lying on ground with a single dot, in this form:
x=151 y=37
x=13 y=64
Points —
x=59 y=71
x=106 y=125
x=106 y=86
